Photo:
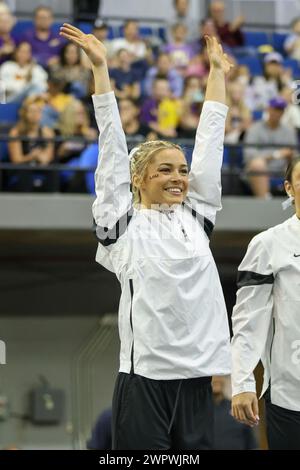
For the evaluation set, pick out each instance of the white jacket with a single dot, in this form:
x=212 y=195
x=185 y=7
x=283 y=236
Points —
x=172 y=315
x=266 y=317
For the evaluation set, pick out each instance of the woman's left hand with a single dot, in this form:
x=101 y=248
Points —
x=217 y=57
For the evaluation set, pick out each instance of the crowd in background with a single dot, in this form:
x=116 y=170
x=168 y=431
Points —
x=160 y=85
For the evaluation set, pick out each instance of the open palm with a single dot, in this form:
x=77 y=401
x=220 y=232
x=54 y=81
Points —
x=216 y=55
x=93 y=48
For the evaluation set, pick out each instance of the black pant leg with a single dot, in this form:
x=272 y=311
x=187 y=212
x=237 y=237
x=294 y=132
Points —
x=140 y=418
x=194 y=422
x=283 y=427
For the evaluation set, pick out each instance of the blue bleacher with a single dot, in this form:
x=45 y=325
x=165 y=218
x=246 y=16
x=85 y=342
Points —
x=9 y=113
x=253 y=63
x=294 y=65
x=8 y=117
x=278 y=42
x=256 y=38
x=22 y=26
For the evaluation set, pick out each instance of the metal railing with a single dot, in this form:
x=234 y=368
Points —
x=233 y=172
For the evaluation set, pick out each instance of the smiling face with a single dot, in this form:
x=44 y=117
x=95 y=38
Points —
x=166 y=179
x=292 y=185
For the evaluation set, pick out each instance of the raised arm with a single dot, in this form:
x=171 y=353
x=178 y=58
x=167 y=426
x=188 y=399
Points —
x=112 y=176
x=205 y=174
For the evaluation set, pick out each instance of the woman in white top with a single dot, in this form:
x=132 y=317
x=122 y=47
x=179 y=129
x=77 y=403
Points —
x=172 y=316
x=266 y=326
x=22 y=76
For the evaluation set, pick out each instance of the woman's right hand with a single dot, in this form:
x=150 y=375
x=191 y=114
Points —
x=93 y=48
x=244 y=408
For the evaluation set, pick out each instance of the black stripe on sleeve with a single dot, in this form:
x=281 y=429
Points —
x=250 y=278
x=207 y=224
x=131 y=325
x=108 y=236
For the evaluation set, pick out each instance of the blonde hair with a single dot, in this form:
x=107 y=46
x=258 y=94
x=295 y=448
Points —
x=23 y=124
x=141 y=157
x=67 y=120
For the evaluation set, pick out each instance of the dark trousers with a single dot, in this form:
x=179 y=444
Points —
x=162 y=414
x=283 y=426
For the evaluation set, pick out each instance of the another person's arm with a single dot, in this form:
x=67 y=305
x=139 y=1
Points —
x=205 y=174
x=112 y=176
x=251 y=323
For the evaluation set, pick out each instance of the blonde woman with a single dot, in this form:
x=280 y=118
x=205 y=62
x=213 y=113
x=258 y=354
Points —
x=172 y=316
x=31 y=146
x=74 y=121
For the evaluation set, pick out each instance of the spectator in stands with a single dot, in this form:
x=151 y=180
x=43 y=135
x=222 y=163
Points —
x=160 y=112
x=7 y=42
x=291 y=115
x=229 y=33
x=101 y=30
x=261 y=160
x=228 y=433
x=56 y=100
x=184 y=15
x=131 y=41
x=101 y=438
x=268 y=86
x=239 y=116
x=207 y=27
x=180 y=51
x=164 y=68
x=74 y=122
x=292 y=42
x=35 y=151
x=45 y=43
x=124 y=79
x=129 y=113
x=191 y=106
x=22 y=76
x=69 y=69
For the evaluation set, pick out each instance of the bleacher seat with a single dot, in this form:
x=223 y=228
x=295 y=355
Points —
x=22 y=26
x=253 y=63
x=8 y=113
x=278 y=42
x=294 y=65
x=256 y=38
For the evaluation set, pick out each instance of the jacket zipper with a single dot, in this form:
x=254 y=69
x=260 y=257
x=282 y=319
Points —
x=181 y=226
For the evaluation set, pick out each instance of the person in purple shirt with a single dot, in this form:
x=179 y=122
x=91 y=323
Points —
x=164 y=68
x=180 y=51
x=45 y=44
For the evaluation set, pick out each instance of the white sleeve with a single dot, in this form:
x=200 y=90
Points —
x=112 y=176
x=252 y=315
x=205 y=174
